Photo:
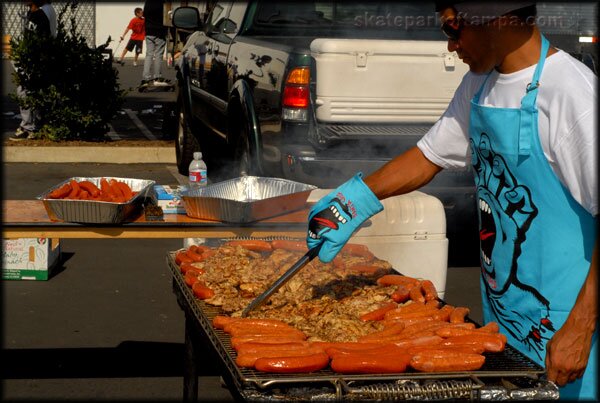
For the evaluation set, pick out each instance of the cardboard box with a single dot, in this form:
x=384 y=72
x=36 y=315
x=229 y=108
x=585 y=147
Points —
x=29 y=258
x=169 y=199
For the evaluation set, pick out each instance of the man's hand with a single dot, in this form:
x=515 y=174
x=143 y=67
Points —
x=334 y=218
x=567 y=353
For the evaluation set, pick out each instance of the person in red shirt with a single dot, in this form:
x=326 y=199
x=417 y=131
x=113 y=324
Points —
x=137 y=25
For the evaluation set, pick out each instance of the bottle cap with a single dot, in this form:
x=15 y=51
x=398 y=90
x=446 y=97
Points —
x=197 y=155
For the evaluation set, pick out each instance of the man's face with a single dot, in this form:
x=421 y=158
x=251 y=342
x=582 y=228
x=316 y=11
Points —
x=474 y=45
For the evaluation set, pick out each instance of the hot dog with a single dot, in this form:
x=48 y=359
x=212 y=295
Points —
x=416 y=293
x=272 y=339
x=409 y=311
x=379 y=313
x=491 y=327
x=422 y=328
x=114 y=188
x=409 y=307
x=255 y=245
x=309 y=363
x=459 y=314
x=248 y=359
x=265 y=331
x=455 y=329
x=201 y=248
x=90 y=188
x=123 y=188
x=201 y=291
x=74 y=189
x=61 y=192
x=286 y=244
x=191 y=276
x=181 y=257
x=444 y=313
x=388 y=331
x=397 y=279
x=246 y=323
x=256 y=346
x=445 y=361
x=429 y=290
x=369 y=363
x=196 y=257
x=220 y=321
x=492 y=342
x=402 y=294
x=185 y=266
x=366 y=348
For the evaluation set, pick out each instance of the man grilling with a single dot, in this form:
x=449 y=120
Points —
x=524 y=118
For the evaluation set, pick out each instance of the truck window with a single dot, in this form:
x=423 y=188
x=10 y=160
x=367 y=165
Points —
x=235 y=18
x=381 y=20
x=218 y=13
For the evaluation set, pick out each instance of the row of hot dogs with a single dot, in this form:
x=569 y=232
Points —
x=418 y=331
x=271 y=345
x=110 y=190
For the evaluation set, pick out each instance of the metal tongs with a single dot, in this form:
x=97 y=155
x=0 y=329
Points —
x=303 y=261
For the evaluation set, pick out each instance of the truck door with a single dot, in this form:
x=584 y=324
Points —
x=202 y=72
x=223 y=23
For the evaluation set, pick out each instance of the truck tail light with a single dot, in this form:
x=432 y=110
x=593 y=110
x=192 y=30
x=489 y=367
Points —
x=296 y=95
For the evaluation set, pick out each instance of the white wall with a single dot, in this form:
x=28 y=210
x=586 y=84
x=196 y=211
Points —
x=112 y=19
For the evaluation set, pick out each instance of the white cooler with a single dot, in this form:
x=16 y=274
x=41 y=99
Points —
x=410 y=233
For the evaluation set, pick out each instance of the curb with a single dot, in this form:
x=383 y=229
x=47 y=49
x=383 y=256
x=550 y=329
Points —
x=106 y=155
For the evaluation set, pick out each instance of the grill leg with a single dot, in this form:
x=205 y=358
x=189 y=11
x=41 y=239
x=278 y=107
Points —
x=190 y=371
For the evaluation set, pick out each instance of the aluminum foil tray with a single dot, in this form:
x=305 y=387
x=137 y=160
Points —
x=97 y=212
x=246 y=199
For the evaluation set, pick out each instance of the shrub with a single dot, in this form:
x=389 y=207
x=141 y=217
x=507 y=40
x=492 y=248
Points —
x=73 y=87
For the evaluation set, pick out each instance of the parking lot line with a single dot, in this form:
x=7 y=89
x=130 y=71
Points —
x=140 y=125
x=112 y=133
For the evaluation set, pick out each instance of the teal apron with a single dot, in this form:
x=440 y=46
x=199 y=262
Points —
x=536 y=241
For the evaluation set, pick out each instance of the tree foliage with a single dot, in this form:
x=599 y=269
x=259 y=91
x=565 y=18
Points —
x=73 y=87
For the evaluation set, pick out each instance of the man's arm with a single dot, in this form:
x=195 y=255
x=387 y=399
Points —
x=405 y=173
x=569 y=349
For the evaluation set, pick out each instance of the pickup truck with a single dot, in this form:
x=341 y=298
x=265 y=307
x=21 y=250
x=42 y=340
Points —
x=314 y=91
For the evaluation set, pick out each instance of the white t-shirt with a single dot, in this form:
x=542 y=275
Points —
x=567 y=121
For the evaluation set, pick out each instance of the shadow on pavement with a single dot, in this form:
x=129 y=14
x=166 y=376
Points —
x=126 y=360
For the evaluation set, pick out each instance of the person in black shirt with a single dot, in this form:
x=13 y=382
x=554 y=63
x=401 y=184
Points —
x=37 y=24
x=156 y=34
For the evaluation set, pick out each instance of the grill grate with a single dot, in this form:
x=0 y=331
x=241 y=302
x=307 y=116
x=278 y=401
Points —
x=509 y=363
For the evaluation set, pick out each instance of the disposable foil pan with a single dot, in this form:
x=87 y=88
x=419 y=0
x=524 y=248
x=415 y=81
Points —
x=245 y=199
x=93 y=211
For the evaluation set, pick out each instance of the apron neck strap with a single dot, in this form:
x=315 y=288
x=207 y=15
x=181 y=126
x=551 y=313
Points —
x=532 y=88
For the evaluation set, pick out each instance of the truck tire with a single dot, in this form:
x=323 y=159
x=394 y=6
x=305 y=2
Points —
x=244 y=158
x=185 y=142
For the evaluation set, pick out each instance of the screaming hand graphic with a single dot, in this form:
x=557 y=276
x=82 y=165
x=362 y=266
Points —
x=506 y=211
x=329 y=219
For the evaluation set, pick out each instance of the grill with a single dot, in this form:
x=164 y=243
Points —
x=503 y=376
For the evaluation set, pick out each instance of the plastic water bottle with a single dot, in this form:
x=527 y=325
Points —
x=197 y=172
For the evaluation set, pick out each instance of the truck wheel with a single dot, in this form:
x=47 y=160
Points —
x=243 y=157
x=185 y=142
